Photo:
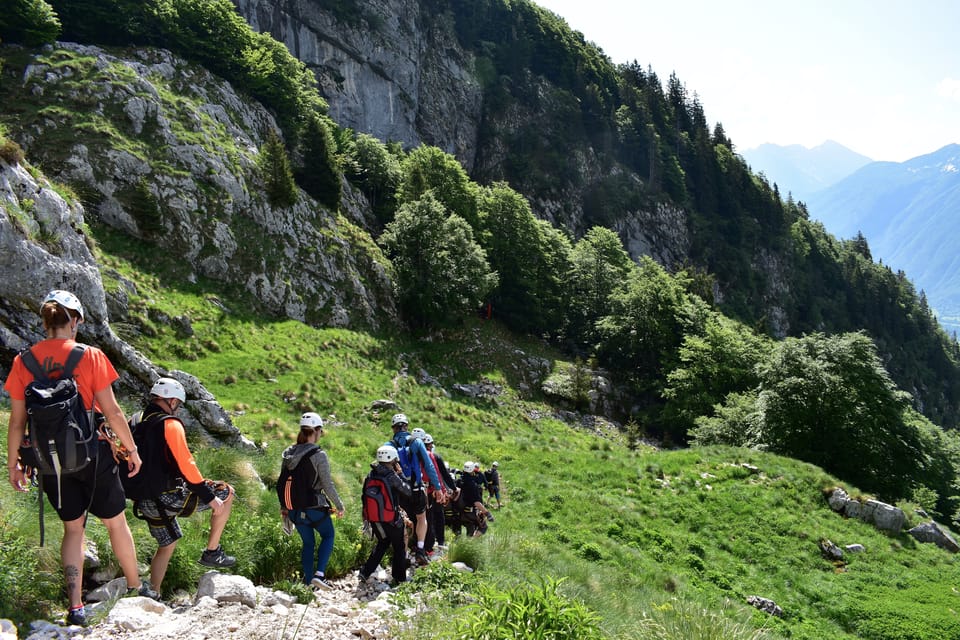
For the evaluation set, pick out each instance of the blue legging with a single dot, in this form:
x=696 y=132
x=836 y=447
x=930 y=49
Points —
x=307 y=522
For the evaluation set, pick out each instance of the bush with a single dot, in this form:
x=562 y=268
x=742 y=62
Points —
x=527 y=611
x=10 y=151
x=28 y=587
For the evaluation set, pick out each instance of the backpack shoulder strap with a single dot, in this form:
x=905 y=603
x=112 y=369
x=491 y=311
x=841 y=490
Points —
x=30 y=362
x=73 y=360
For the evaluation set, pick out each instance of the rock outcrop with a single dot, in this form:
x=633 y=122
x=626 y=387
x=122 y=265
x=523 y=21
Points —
x=43 y=246
x=177 y=170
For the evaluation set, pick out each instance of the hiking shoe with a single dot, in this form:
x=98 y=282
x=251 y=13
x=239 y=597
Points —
x=422 y=558
x=77 y=616
x=144 y=590
x=216 y=558
x=319 y=582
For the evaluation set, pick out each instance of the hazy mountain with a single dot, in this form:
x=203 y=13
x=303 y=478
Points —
x=908 y=214
x=802 y=171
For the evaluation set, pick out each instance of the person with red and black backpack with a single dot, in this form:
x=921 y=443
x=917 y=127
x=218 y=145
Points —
x=382 y=489
x=309 y=498
x=77 y=481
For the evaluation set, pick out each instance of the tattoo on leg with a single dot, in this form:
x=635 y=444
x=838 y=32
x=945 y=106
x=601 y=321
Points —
x=72 y=574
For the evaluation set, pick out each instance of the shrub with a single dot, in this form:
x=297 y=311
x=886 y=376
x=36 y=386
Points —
x=10 y=151
x=527 y=611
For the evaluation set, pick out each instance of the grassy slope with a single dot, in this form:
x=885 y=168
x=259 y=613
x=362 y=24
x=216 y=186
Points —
x=636 y=533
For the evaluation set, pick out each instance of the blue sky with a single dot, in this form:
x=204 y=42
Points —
x=881 y=77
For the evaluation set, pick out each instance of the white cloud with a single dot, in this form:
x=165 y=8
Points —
x=949 y=88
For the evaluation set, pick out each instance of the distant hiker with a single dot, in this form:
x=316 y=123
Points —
x=383 y=489
x=415 y=462
x=475 y=515
x=308 y=498
x=436 y=531
x=158 y=428
x=491 y=478
x=95 y=488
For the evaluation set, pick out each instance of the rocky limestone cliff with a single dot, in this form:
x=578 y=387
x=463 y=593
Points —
x=164 y=151
x=388 y=72
x=43 y=246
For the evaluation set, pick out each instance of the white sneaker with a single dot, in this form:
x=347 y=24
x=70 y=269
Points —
x=319 y=582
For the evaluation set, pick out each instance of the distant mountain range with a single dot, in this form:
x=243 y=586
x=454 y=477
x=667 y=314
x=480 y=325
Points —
x=908 y=212
x=801 y=171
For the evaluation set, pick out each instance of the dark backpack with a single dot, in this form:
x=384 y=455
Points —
x=61 y=434
x=295 y=486
x=378 y=502
x=157 y=473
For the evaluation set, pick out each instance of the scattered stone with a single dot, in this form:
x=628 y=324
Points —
x=855 y=548
x=931 y=532
x=830 y=551
x=766 y=605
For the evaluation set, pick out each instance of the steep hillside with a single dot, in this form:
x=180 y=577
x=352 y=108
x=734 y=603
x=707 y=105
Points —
x=906 y=211
x=802 y=172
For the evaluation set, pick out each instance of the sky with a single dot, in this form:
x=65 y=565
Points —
x=880 y=77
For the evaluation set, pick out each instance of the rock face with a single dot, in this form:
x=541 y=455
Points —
x=177 y=169
x=384 y=69
x=43 y=247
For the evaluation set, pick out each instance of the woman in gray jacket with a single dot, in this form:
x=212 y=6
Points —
x=321 y=499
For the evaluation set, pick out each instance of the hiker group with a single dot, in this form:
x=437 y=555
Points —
x=68 y=434
x=410 y=496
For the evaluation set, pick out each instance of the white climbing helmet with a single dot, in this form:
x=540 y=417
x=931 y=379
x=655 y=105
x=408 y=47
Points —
x=386 y=453
x=400 y=418
x=311 y=420
x=469 y=467
x=418 y=433
x=64 y=299
x=427 y=438
x=168 y=388
x=495 y=464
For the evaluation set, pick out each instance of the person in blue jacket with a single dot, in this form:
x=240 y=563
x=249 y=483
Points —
x=416 y=463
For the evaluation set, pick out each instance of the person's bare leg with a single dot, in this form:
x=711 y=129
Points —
x=159 y=564
x=71 y=555
x=121 y=541
x=218 y=522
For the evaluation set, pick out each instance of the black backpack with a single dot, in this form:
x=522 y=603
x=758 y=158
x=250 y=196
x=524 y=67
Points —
x=157 y=473
x=61 y=435
x=295 y=486
x=378 y=502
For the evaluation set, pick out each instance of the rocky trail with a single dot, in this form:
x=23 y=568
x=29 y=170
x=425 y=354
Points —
x=227 y=606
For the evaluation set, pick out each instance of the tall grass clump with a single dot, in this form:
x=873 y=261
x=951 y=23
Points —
x=681 y=620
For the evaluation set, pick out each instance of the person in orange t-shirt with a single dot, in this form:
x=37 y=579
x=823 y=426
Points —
x=97 y=487
x=187 y=492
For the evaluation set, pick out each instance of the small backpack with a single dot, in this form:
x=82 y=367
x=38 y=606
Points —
x=378 y=502
x=295 y=486
x=157 y=473
x=61 y=434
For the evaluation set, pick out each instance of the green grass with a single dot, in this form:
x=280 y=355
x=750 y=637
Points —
x=658 y=544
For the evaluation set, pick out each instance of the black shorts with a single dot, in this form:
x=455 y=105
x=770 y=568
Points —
x=96 y=489
x=416 y=504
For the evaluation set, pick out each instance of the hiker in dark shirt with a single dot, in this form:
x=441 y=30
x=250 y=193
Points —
x=491 y=478
x=389 y=535
x=192 y=492
x=475 y=515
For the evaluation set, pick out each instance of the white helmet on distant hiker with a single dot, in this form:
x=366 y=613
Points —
x=400 y=418
x=495 y=464
x=311 y=420
x=386 y=453
x=469 y=467
x=64 y=299
x=418 y=433
x=168 y=388
x=427 y=438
